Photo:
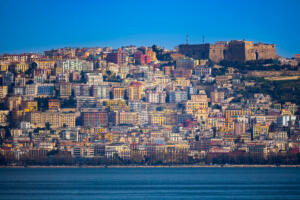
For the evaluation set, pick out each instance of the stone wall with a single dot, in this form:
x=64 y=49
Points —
x=265 y=51
x=196 y=51
x=234 y=50
x=216 y=51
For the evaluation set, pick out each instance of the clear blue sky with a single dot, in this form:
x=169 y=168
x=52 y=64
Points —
x=28 y=25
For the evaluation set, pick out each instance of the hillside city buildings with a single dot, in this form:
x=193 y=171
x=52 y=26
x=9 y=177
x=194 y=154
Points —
x=141 y=104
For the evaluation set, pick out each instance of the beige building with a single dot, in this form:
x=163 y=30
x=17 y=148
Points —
x=55 y=119
x=197 y=102
x=14 y=102
x=3 y=117
x=3 y=91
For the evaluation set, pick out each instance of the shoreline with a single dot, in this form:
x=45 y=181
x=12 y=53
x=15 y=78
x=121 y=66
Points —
x=157 y=166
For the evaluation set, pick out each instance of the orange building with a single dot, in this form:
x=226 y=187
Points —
x=151 y=54
x=53 y=104
x=29 y=106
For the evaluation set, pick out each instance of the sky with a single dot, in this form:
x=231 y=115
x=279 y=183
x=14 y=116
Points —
x=38 y=25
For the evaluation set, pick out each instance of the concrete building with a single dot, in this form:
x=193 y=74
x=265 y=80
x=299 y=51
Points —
x=94 y=118
x=65 y=89
x=117 y=57
x=101 y=91
x=94 y=78
x=70 y=65
x=156 y=96
x=55 y=119
x=118 y=92
x=217 y=96
x=177 y=96
x=187 y=63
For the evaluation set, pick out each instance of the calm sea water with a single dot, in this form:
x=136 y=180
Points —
x=150 y=183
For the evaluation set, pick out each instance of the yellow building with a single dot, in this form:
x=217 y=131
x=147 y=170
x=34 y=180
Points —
x=108 y=136
x=45 y=64
x=228 y=126
x=157 y=118
x=29 y=106
x=192 y=106
x=176 y=148
x=4 y=67
x=201 y=115
x=100 y=132
x=197 y=102
x=286 y=112
x=183 y=82
x=135 y=91
x=3 y=117
x=260 y=129
x=21 y=67
x=58 y=71
x=292 y=107
x=117 y=105
x=3 y=91
x=231 y=113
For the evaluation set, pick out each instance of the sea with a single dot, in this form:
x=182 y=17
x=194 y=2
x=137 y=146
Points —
x=150 y=183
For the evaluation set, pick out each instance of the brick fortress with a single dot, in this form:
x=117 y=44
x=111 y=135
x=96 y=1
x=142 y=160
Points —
x=234 y=50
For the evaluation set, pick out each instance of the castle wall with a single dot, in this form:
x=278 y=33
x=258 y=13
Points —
x=198 y=51
x=234 y=50
x=250 y=51
x=216 y=51
x=265 y=51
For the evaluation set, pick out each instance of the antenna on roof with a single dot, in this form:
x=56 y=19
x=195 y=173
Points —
x=187 y=39
x=203 y=39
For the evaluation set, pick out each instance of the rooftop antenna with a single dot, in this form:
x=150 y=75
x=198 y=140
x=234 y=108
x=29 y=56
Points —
x=203 y=39
x=187 y=39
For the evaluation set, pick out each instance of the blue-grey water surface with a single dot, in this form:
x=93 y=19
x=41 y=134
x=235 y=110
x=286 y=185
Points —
x=149 y=183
